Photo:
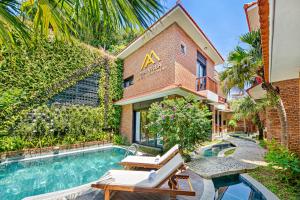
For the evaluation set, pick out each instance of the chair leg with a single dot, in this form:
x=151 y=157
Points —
x=106 y=195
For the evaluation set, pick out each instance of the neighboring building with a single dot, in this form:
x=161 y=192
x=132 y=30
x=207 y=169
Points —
x=280 y=30
x=172 y=58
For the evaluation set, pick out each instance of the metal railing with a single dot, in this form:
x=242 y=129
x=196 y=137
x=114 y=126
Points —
x=133 y=149
x=206 y=83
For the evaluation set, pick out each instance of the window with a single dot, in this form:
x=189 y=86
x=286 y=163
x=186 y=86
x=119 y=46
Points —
x=128 y=82
x=183 y=48
x=201 y=65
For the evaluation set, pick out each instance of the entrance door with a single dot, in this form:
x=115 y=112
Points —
x=142 y=135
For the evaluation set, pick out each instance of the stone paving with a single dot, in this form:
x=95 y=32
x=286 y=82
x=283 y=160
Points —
x=246 y=157
x=247 y=151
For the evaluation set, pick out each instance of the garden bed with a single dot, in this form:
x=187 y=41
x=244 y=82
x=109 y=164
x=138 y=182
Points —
x=270 y=178
x=11 y=155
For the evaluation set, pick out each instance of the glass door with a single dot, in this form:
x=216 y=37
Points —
x=142 y=135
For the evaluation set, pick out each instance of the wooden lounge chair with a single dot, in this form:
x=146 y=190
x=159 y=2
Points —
x=140 y=181
x=148 y=162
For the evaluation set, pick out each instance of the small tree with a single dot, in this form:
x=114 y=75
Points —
x=183 y=121
x=248 y=109
x=233 y=124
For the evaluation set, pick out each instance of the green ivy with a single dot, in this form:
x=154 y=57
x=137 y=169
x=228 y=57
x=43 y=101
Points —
x=31 y=75
x=56 y=125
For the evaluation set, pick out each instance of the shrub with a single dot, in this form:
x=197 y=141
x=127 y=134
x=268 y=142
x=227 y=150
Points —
x=120 y=140
x=233 y=124
x=183 y=121
x=289 y=163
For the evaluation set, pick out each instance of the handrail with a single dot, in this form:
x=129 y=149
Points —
x=132 y=149
x=206 y=83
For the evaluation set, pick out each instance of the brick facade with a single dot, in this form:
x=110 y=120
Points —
x=289 y=93
x=126 y=123
x=177 y=68
x=167 y=47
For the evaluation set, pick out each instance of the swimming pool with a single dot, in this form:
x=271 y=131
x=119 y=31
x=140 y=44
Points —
x=39 y=176
x=215 y=149
x=234 y=187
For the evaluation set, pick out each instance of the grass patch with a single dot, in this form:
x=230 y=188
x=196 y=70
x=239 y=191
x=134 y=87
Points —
x=229 y=152
x=271 y=179
x=263 y=144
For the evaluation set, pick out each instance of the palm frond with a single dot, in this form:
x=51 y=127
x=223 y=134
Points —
x=243 y=64
x=10 y=22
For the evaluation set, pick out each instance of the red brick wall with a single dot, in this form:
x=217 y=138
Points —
x=163 y=46
x=188 y=61
x=289 y=93
x=167 y=47
x=126 y=122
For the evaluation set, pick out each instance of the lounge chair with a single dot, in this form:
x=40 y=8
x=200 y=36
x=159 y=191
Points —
x=147 y=181
x=148 y=162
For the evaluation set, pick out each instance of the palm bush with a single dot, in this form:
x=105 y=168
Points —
x=74 y=18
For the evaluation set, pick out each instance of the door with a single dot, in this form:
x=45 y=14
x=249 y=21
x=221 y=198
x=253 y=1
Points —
x=142 y=135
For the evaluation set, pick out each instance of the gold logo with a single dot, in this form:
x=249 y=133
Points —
x=148 y=60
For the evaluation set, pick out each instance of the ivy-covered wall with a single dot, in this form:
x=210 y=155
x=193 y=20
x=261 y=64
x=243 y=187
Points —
x=31 y=75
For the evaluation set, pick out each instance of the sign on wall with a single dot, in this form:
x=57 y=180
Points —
x=148 y=60
x=150 y=65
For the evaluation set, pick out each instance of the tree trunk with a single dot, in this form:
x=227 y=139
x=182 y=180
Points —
x=274 y=91
x=245 y=130
x=260 y=127
x=283 y=122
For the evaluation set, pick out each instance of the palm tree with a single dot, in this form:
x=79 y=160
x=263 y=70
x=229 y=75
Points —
x=245 y=65
x=9 y=22
x=247 y=109
x=65 y=18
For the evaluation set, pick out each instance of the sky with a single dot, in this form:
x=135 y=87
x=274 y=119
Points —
x=223 y=21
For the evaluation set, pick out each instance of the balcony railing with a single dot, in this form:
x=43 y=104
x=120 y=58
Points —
x=206 y=83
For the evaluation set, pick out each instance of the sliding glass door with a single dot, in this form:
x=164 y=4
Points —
x=142 y=135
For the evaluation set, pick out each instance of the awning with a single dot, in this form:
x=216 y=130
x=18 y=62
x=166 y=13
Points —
x=163 y=92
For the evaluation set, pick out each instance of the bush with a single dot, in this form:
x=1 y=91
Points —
x=120 y=140
x=289 y=163
x=183 y=121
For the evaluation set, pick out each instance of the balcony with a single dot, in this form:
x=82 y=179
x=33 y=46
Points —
x=206 y=83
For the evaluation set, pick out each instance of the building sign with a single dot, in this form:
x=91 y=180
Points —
x=150 y=65
x=148 y=60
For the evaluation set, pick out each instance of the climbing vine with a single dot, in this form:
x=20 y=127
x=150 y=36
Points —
x=31 y=75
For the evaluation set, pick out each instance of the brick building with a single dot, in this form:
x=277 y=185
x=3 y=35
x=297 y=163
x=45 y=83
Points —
x=172 y=58
x=280 y=26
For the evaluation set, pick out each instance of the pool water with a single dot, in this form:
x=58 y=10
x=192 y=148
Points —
x=215 y=149
x=233 y=187
x=33 y=177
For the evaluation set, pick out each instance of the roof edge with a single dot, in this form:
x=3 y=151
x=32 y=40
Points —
x=246 y=7
x=263 y=11
x=189 y=17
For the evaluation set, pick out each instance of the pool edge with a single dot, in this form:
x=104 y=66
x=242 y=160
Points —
x=260 y=187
